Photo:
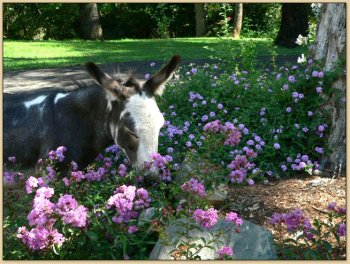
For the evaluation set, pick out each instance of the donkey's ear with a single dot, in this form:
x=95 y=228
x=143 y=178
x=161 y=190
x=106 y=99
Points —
x=155 y=84
x=104 y=80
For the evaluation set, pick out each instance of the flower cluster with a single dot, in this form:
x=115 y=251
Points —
x=127 y=201
x=72 y=213
x=233 y=217
x=206 y=219
x=294 y=221
x=57 y=154
x=225 y=251
x=302 y=163
x=43 y=235
x=159 y=163
x=234 y=135
x=337 y=209
x=239 y=166
x=33 y=182
x=44 y=215
x=194 y=186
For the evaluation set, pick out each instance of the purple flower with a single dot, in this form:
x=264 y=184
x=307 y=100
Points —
x=250 y=182
x=319 y=150
x=188 y=144
x=9 y=177
x=170 y=150
x=295 y=95
x=194 y=186
x=288 y=109
x=283 y=167
x=310 y=113
x=225 y=251
x=204 y=118
x=122 y=170
x=132 y=229
x=315 y=74
x=152 y=64
x=320 y=128
x=193 y=70
x=31 y=183
x=276 y=146
x=206 y=219
x=332 y=206
x=250 y=142
x=220 y=106
x=342 y=229
x=12 y=159
x=291 y=78
x=212 y=114
x=147 y=76
x=320 y=74
x=319 y=90
x=233 y=217
x=285 y=86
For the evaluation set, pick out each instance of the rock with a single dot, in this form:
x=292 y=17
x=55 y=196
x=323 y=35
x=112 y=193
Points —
x=146 y=216
x=184 y=172
x=251 y=243
x=217 y=197
x=319 y=182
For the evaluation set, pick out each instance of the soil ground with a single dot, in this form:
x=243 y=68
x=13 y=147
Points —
x=312 y=195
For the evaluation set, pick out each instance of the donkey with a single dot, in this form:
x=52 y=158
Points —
x=88 y=119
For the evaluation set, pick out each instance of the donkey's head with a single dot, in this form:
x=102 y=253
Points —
x=134 y=116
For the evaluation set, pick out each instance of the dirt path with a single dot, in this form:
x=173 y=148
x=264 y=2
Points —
x=29 y=80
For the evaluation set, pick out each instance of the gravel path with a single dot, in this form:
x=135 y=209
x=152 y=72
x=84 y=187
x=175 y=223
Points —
x=30 y=80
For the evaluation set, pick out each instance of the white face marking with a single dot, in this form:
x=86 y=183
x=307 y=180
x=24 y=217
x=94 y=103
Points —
x=35 y=101
x=148 y=121
x=59 y=96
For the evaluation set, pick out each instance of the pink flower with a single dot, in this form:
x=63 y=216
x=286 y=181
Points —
x=233 y=217
x=225 y=251
x=206 y=219
x=31 y=183
x=132 y=229
x=194 y=186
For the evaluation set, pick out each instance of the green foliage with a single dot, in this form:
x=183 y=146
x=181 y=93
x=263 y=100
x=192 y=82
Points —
x=135 y=20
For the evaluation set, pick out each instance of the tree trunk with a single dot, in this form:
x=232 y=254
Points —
x=329 y=47
x=294 y=21
x=200 y=20
x=237 y=20
x=90 y=22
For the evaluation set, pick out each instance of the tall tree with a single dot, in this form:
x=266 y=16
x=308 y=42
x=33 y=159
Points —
x=201 y=28
x=330 y=48
x=294 y=21
x=90 y=21
x=237 y=20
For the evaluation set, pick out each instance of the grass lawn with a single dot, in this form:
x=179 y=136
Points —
x=44 y=54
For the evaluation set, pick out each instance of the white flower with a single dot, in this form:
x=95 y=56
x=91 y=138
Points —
x=302 y=59
x=301 y=40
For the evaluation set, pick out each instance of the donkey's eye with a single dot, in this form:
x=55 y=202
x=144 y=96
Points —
x=131 y=133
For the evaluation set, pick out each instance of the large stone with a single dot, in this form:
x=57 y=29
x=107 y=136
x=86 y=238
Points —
x=218 y=196
x=251 y=243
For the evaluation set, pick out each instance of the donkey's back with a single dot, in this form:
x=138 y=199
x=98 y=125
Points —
x=37 y=122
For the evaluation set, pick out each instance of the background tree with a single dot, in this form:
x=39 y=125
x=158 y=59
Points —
x=90 y=22
x=294 y=21
x=329 y=47
x=201 y=28
x=237 y=20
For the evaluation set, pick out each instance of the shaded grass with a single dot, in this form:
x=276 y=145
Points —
x=45 y=54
